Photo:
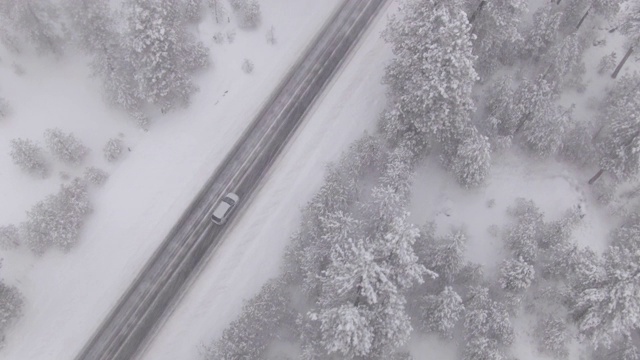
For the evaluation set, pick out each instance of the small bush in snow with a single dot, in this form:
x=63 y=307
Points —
x=218 y=38
x=4 y=108
x=95 y=176
x=29 y=157
x=11 y=304
x=231 y=36
x=18 y=69
x=113 y=149
x=607 y=63
x=65 y=146
x=271 y=36
x=247 y=66
x=56 y=220
x=9 y=237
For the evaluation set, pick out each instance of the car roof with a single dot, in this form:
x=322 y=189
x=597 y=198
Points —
x=221 y=209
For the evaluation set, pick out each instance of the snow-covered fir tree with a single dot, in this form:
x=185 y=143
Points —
x=441 y=312
x=543 y=34
x=544 y=133
x=36 y=21
x=576 y=12
x=619 y=143
x=431 y=77
x=11 y=305
x=524 y=236
x=65 y=146
x=563 y=63
x=552 y=336
x=92 y=24
x=248 y=12
x=487 y=326
x=95 y=176
x=266 y=317
x=446 y=255
x=192 y=10
x=468 y=155
x=609 y=310
x=218 y=10
x=495 y=47
x=29 y=157
x=162 y=53
x=5 y=109
x=9 y=237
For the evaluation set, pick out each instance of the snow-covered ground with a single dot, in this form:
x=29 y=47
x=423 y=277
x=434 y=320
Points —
x=69 y=294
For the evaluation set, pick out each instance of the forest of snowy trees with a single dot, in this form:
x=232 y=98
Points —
x=470 y=80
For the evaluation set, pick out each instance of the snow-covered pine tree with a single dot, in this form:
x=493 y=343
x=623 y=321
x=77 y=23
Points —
x=192 y=10
x=487 y=326
x=218 y=10
x=37 y=21
x=446 y=255
x=65 y=146
x=609 y=310
x=9 y=237
x=29 y=157
x=441 y=312
x=467 y=154
x=516 y=275
x=575 y=12
x=552 y=336
x=361 y=308
x=5 y=109
x=631 y=28
x=431 y=77
x=92 y=25
x=577 y=146
x=57 y=220
x=544 y=132
x=11 y=304
x=543 y=34
x=264 y=318
x=496 y=27
x=161 y=52
x=524 y=236
x=619 y=143
x=563 y=63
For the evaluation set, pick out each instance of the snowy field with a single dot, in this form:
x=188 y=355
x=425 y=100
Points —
x=69 y=294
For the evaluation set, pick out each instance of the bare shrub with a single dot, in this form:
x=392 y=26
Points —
x=247 y=66
x=113 y=149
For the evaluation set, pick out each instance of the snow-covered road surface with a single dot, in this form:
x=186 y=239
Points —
x=139 y=310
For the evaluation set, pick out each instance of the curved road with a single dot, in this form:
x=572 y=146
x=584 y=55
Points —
x=161 y=281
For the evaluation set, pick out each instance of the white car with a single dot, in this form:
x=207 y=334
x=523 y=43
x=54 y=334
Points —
x=224 y=208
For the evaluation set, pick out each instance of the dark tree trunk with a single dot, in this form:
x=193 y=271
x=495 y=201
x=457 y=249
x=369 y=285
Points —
x=596 y=176
x=594 y=139
x=583 y=17
x=558 y=3
x=624 y=60
x=477 y=11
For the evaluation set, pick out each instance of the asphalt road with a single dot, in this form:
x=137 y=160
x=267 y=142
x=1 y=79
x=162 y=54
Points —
x=140 y=310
